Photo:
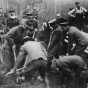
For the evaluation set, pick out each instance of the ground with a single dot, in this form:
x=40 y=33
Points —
x=9 y=84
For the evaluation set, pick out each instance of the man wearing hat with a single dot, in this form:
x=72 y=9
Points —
x=78 y=13
x=57 y=46
x=56 y=21
x=12 y=20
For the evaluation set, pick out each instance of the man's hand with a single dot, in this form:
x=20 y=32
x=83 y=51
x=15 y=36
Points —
x=73 y=16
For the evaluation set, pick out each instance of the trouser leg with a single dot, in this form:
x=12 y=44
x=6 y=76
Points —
x=19 y=59
x=36 y=64
x=27 y=61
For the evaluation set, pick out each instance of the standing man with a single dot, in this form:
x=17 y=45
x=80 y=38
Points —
x=12 y=20
x=78 y=14
x=56 y=45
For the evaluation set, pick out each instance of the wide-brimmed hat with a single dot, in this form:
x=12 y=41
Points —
x=64 y=23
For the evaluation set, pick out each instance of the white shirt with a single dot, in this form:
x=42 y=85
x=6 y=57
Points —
x=34 y=50
x=76 y=10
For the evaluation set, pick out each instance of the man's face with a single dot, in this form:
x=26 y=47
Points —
x=65 y=28
x=78 y=5
x=58 y=17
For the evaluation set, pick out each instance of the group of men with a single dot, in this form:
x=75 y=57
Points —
x=76 y=17
x=10 y=19
x=77 y=14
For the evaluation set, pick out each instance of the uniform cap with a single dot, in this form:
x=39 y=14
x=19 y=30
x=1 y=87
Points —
x=77 y=3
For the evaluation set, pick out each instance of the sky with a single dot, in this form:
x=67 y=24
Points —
x=53 y=6
x=50 y=3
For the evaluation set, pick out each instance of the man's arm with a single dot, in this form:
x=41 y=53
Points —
x=84 y=9
x=11 y=33
x=72 y=13
x=52 y=22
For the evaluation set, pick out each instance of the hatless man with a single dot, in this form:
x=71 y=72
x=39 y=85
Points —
x=78 y=13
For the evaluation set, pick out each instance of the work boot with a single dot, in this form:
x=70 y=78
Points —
x=10 y=72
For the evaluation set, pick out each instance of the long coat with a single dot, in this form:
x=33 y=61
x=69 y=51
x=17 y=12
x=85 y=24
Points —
x=56 y=46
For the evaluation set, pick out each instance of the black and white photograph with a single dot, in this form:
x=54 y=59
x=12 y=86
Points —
x=43 y=43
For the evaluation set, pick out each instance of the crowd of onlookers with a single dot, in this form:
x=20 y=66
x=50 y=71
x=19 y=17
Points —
x=9 y=18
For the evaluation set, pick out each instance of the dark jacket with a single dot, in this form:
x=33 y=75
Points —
x=12 y=22
x=73 y=63
x=16 y=34
x=56 y=42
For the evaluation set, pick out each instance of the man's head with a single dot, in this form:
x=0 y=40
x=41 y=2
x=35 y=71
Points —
x=58 y=15
x=26 y=23
x=12 y=13
x=65 y=26
x=77 y=4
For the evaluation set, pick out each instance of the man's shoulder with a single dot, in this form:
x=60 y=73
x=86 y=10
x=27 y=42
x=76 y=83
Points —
x=31 y=42
x=52 y=21
x=14 y=29
x=73 y=29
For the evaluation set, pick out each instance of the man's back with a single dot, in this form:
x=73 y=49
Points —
x=74 y=59
x=55 y=46
x=35 y=50
x=73 y=62
x=80 y=36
